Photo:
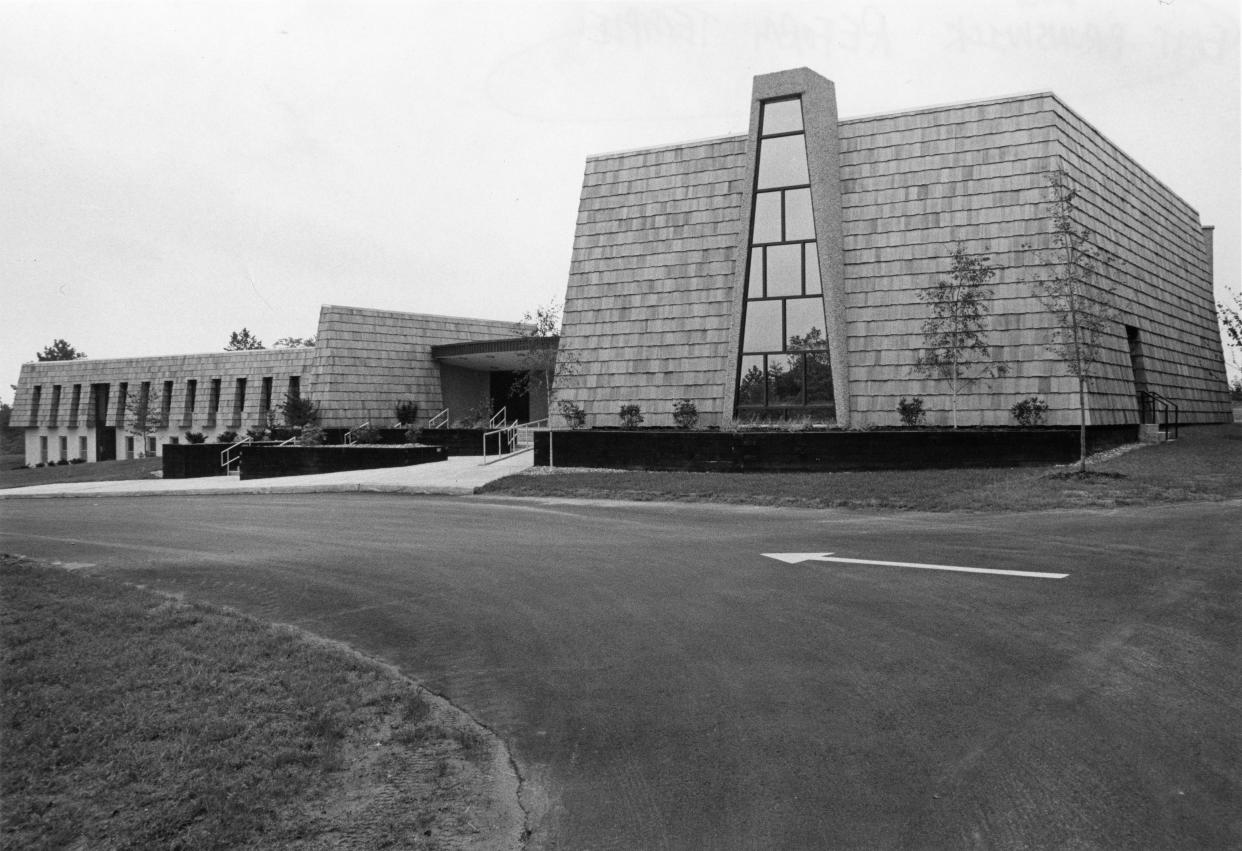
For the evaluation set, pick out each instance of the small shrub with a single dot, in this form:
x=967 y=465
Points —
x=367 y=434
x=911 y=411
x=631 y=416
x=406 y=413
x=195 y=437
x=412 y=434
x=63 y=462
x=77 y=460
x=1030 y=411
x=259 y=433
x=38 y=465
x=573 y=414
x=312 y=435
x=685 y=414
x=226 y=437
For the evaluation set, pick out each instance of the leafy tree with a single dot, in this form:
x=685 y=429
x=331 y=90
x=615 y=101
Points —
x=243 y=340
x=1076 y=293
x=143 y=415
x=60 y=350
x=1231 y=321
x=955 y=335
x=294 y=342
x=545 y=365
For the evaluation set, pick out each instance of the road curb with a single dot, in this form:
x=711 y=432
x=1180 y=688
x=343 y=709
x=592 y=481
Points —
x=412 y=490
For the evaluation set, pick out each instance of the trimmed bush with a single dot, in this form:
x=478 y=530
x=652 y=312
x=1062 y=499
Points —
x=685 y=414
x=573 y=414
x=631 y=416
x=1030 y=411
x=195 y=437
x=911 y=411
x=226 y=437
x=406 y=413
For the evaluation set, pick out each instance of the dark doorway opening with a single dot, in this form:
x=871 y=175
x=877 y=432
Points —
x=508 y=392
x=105 y=436
x=1137 y=361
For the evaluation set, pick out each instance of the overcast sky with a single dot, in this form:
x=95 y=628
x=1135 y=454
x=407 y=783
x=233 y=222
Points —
x=170 y=172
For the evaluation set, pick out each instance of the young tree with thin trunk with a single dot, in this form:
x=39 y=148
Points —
x=143 y=414
x=1077 y=293
x=955 y=336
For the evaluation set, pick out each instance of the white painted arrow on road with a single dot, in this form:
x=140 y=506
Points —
x=798 y=558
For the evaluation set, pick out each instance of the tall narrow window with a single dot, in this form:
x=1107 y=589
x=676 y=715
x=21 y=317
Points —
x=265 y=399
x=82 y=446
x=214 y=404
x=295 y=386
x=783 y=366
x=75 y=405
x=166 y=404
x=36 y=397
x=239 y=400
x=191 y=397
x=122 y=399
x=53 y=415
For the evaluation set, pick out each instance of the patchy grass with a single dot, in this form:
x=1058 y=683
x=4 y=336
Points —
x=1205 y=464
x=103 y=471
x=131 y=720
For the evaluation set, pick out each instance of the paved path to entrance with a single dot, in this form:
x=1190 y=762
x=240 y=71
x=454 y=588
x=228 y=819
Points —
x=664 y=683
x=453 y=476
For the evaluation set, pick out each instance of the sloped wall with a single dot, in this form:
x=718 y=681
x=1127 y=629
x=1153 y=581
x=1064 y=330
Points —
x=368 y=360
x=647 y=308
x=1163 y=282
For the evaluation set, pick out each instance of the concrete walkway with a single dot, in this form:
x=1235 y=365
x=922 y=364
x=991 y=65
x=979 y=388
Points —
x=456 y=475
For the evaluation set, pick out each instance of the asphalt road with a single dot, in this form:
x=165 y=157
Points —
x=664 y=685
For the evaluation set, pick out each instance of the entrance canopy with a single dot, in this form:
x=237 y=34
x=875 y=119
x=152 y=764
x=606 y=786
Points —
x=510 y=355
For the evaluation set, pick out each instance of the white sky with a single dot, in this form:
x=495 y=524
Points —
x=170 y=172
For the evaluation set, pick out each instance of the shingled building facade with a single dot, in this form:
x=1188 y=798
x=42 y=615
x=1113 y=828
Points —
x=772 y=275
x=777 y=274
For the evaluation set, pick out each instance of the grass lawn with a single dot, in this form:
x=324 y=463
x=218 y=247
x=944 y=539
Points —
x=1205 y=463
x=104 y=471
x=131 y=720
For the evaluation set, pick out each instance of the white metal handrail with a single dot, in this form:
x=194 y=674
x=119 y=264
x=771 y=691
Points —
x=351 y=435
x=288 y=440
x=440 y=420
x=511 y=435
x=500 y=418
x=226 y=457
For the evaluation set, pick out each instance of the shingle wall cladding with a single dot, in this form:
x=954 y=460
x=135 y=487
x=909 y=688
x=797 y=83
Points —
x=647 y=309
x=1163 y=283
x=916 y=184
x=913 y=186
x=368 y=360
x=254 y=366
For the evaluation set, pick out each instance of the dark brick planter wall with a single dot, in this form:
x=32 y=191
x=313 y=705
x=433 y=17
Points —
x=829 y=451
x=264 y=462
x=192 y=460
x=459 y=441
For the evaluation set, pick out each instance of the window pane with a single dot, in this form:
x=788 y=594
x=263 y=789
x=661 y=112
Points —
x=813 y=286
x=798 y=221
x=805 y=323
x=750 y=386
x=782 y=162
x=783 y=116
x=784 y=270
x=785 y=374
x=767 y=217
x=818 y=378
x=754 y=287
x=763 y=327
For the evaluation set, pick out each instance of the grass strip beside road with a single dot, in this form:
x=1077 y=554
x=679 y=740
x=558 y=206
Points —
x=135 y=720
x=14 y=475
x=1204 y=464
